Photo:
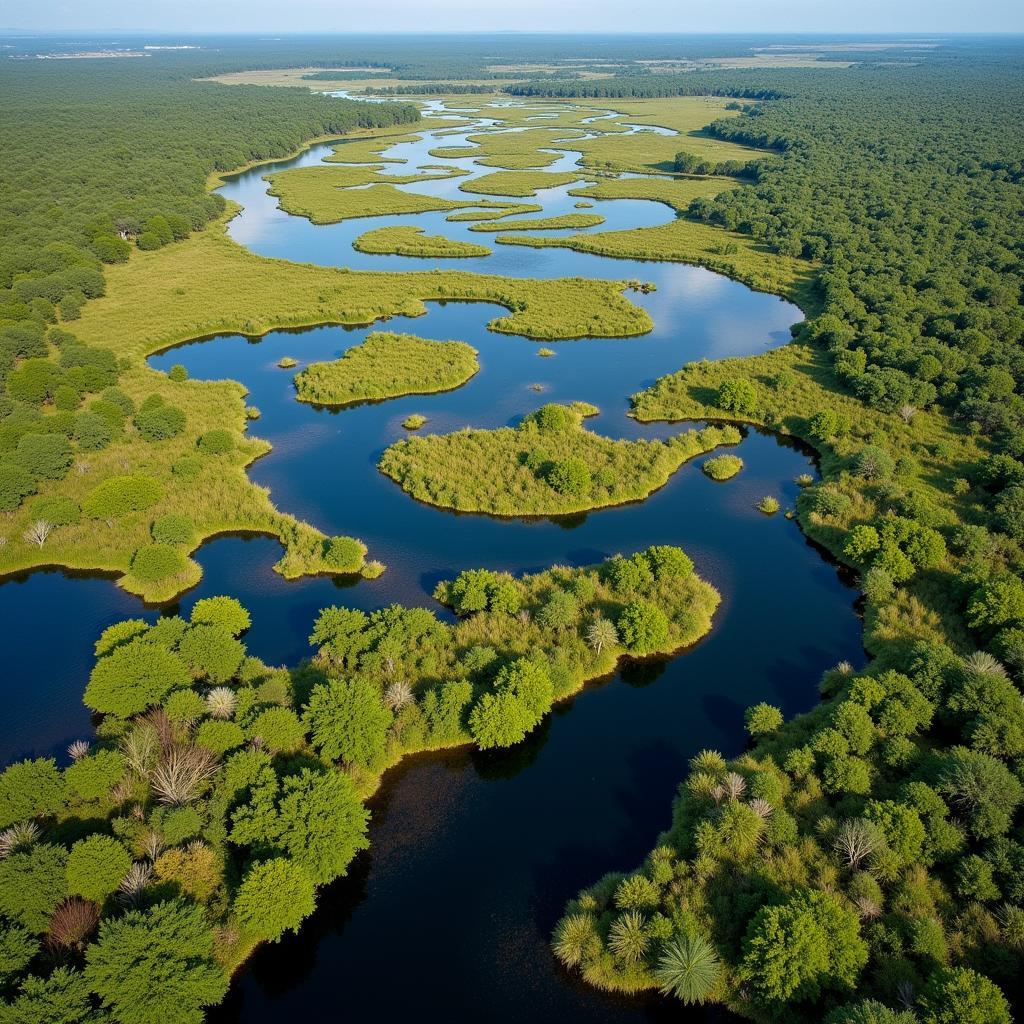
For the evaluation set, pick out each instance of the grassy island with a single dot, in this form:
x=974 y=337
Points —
x=722 y=467
x=518 y=183
x=561 y=223
x=388 y=365
x=410 y=241
x=548 y=465
x=246 y=783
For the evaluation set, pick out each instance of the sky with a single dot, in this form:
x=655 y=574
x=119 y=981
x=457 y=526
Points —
x=198 y=16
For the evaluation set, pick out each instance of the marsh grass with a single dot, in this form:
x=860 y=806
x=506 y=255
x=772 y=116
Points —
x=411 y=241
x=387 y=365
x=504 y=472
x=518 y=183
x=722 y=467
x=566 y=220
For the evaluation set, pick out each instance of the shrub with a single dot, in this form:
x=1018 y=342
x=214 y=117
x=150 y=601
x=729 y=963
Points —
x=626 y=576
x=280 y=730
x=225 y=612
x=343 y=553
x=32 y=884
x=722 y=467
x=44 y=456
x=737 y=395
x=93 y=777
x=669 y=562
x=158 y=421
x=16 y=484
x=348 y=721
x=17 y=948
x=220 y=737
x=184 y=706
x=92 y=431
x=552 y=419
x=273 y=898
x=178 y=373
x=559 y=611
x=155 y=562
x=133 y=677
x=216 y=442
x=211 y=652
x=570 y=477
x=962 y=996
x=95 y=867
x=688 y=968
x=173 y=528
x=874 y=463
x=55 y=509
x=763 y=718
x=118 y=495
x=643 y=627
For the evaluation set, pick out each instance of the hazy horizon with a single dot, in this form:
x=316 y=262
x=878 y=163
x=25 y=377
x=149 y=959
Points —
x=197 y=17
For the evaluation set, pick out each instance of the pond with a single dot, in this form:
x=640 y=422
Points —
x=473 y=856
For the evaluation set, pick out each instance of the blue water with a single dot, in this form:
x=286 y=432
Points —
x=473 y=856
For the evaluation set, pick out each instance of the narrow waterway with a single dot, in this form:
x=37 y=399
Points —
x=473 y=856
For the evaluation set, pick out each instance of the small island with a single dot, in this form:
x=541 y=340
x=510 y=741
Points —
x=722 y=467
x=388 y=365
x=410 y=241
x=547 y=465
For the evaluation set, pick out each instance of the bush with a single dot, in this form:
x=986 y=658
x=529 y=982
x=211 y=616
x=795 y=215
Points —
x=155 y=562
x=626 y=576
x=225 y=612
x=552 y=419
x=220 y=737
x=32 y=884
x=962 y=996
x=45 y=456
x=212 y=652
x=56 y=510
x=669 y=563
x=280 y=730
x=95 y=867
x=93 y=777
x=92 y=431
x=173 y=529
x=348 y=721
x=159 y=422
x=522 y=695
x=178 y=373
x=30 y=789
x=118 y=495
x=16 y=484
x=643 y=627
x=722 y=467
x=216 y=442
x=273 y=898
x=343 y=553
x=763 y=718
x=133 y=677
x=570 y=477
x=737 y=395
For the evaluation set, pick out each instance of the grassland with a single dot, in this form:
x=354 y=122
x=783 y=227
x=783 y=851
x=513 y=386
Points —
x=409 y=241
x=387 y=365
x=647 y=152
x=516 y=471
x=518 y=183
x=566 y=220
x=518 y=151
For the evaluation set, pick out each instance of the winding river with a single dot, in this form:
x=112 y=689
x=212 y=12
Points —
x=474 y=855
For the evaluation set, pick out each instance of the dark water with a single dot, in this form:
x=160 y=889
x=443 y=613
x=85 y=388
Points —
x=473 y=856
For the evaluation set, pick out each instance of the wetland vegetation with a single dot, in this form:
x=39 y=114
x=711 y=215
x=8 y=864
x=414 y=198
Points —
x=859 y=861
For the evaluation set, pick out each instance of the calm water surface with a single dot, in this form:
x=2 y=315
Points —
x=474 y=855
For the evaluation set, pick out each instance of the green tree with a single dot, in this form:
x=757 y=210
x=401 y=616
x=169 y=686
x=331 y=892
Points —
x=280 y=730
x=737 y=395
x=32 y=884
x=62 y=998
x=570 y=476
x=212 y=652
x=763 y=718
x=643 y=626
x=688 y=968
x=274 y=897
x=348 y=721
x=962 y=996
x=92 y=777
x=225 y=612
x=30 y=789
x=17 y=948
x=133 y=677
x=95 y=867
x=797 y=949
x=156 y=965
x=521 y=697
x=44 y=456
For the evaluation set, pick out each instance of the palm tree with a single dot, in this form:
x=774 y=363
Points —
x=572 y=936
x=688 y=968
x=602 y=633
x=628 y=938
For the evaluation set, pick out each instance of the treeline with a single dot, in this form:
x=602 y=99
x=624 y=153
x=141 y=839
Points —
x=650 y=86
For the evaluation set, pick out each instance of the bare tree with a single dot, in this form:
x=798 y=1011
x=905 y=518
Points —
x=856 y=839
x=908 y=412
x=37 y=532
x=601 y=633
x=735 y=785
x=78 y=749
x=182 y=774
x=17 y=836
x=221 y=702
x=130 y=890
x=72 y=923
x=398 y=695
x=761 y=807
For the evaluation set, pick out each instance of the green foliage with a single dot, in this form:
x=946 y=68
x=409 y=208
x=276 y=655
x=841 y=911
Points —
x=30 y=789
x=119 y=495
x=722 y=467
x=17 y=948
x=156 y=420
x=43 y=456
x=225 y=612
x=763 y=718
x=32 y=884
x=62 y=998
x=279 y=729
x=156 y=964
x=571 y=476
x=16 y=484
x=643 y=627
x=798 y=949
x=519 y=699
x=211 y=652
x=348 y=721
x=96 y=866
x=155 y=562
x=737 y=395
x=92 y=777
x=274 y=897
x=962 y=996
x=132 y=677
x=216 y=442
x=688 y=968
x=173 y=528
